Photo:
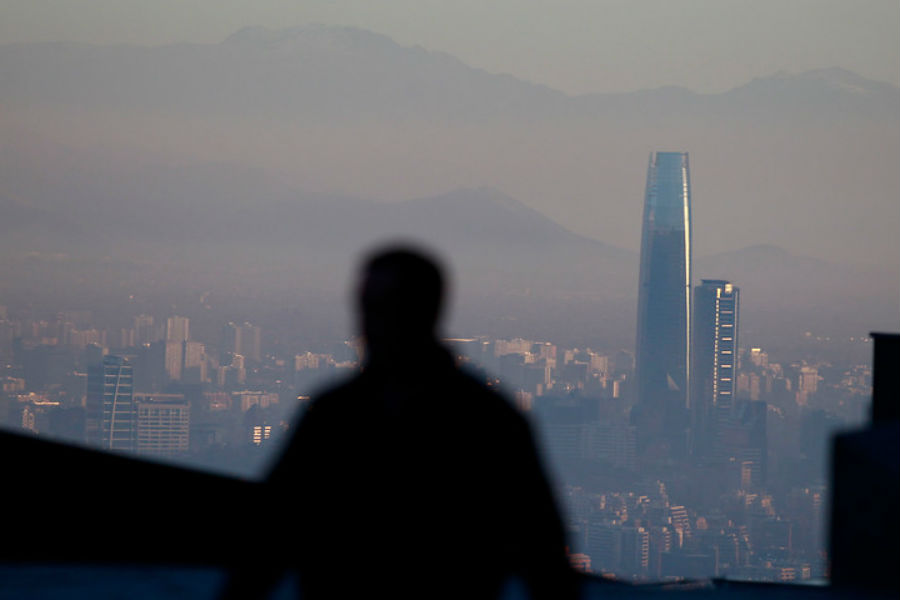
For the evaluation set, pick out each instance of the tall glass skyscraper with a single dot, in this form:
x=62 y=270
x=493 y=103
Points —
x=662 y=350
x=714 y=361
x=110 y=413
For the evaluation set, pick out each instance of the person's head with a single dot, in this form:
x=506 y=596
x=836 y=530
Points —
x=400 y=296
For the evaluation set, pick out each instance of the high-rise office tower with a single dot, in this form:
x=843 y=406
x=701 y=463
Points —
x=744 y=440
x=163 y=424
x=174 y=360
x=178 y=329
x=231 y=340
x=110 y=420
x=662 y=350
x=713 y=361
x=144 y=330
x=251 y=342
x=194 y=368
x=245 y=340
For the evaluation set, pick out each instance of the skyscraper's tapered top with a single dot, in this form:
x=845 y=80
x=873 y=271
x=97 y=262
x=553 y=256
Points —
x=668 y=194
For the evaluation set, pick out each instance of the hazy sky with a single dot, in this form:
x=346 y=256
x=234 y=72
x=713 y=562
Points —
x=576 y=46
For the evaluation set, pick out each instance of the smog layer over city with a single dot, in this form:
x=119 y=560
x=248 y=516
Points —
x=668 y=230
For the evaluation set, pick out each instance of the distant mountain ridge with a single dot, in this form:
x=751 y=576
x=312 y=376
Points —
x=329 y=71
x=165 y=156
x=316 y=71
x=106 y=212
x=479 y=227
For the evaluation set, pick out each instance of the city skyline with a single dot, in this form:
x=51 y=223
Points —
x=187 y=192
x=577 y=397
x=680 y=409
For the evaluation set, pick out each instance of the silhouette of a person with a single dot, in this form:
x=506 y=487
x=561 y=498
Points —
x=414 y=480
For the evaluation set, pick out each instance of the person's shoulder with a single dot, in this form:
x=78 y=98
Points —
x=487 y=399
x=311 y=425
x=336 y=398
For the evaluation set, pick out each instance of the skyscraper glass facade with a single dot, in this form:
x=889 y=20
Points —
x=110 y=418
x=662 y=349
x=714 y=361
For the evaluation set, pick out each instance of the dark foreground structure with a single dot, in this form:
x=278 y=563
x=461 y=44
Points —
x=865 y=473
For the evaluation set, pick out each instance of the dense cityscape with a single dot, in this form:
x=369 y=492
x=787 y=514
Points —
x=694 y=455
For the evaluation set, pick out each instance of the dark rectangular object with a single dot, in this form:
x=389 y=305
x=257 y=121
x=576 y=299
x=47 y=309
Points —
x=64 y=503
x=865 y=534
x=886 y=378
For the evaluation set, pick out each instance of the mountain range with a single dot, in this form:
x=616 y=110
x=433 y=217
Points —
x=319 y=71
x=273 y=159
